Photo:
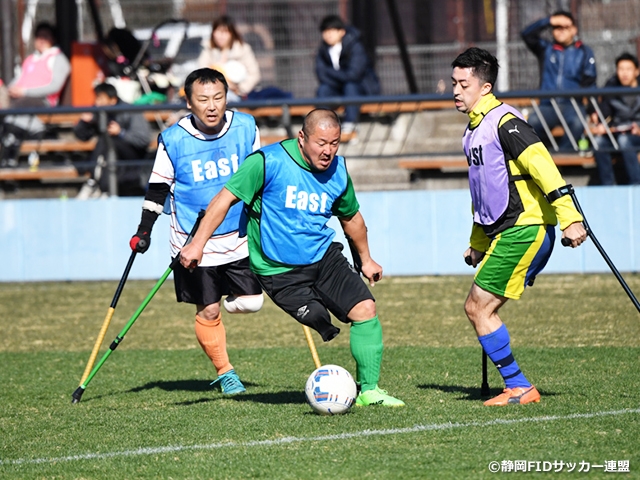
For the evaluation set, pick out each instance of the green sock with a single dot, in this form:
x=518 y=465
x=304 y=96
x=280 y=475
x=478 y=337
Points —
x=366 y=348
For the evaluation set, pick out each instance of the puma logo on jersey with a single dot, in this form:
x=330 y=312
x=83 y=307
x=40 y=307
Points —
x=222 y=167
x=302 y=311
x=514 y=129
x=301 y=200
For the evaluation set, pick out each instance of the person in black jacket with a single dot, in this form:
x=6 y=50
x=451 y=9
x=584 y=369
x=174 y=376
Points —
x=623 y=115
x=129 y=132
x=343 y=67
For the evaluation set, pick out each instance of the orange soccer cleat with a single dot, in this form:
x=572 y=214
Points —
x=513 y=396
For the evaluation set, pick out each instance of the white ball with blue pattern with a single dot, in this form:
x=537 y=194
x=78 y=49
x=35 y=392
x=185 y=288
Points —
x=330 y=390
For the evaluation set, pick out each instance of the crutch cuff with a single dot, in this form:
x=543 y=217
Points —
x=554 y=195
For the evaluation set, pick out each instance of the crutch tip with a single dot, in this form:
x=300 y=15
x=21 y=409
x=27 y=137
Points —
x=77 y=395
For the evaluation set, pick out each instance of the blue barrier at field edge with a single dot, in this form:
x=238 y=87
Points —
x=410 y=233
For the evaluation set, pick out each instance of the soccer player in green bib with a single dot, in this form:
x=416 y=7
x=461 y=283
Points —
x=516 y=201
x=291 y=189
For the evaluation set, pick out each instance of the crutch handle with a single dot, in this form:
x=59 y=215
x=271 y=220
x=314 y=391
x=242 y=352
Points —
x=469 y=261
x=565 y=242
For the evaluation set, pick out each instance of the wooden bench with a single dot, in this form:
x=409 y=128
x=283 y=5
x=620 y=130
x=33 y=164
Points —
x=444 y=162
x=64 y=173
x=70 y=119
x=66 y=145
x=66 y=121
x=56 y=145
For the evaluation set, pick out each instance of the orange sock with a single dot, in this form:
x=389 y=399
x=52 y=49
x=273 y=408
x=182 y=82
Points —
x=213 y=339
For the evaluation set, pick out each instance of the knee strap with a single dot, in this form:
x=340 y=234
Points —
x=243 y=304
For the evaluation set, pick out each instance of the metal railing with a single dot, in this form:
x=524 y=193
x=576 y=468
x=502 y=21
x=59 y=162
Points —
x=393 y=128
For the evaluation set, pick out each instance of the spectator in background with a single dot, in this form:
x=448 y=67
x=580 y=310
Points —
x=565 y=64
x=343 y=67
x=233 y=57
x=623 y=114
x=40 y=83
x=129 y=133
x=4 y=95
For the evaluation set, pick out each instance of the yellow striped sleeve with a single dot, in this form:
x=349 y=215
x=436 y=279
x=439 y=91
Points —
x=537 y=161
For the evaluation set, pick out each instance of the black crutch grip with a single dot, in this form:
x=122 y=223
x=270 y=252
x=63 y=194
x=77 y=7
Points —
x=565 y=242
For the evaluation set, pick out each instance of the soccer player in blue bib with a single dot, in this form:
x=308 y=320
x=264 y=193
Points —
x=516 y=204
x=195 y=159
x=291 y=189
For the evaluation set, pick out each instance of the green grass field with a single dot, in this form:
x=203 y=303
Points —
x=150 y=413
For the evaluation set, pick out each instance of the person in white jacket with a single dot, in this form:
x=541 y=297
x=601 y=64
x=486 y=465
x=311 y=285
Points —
x=228 y=53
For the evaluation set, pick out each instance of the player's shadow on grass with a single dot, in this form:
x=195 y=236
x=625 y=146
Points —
x=472 y=393
x=275 y=398
x=204 y=386
x=180 y=385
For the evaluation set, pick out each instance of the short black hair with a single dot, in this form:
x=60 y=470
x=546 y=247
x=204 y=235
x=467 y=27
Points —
x=331 y=21
x=47 y=28
x=564 y=13
x=106 y=88
x=484 y=65
x=627 y=56
x=204 y=76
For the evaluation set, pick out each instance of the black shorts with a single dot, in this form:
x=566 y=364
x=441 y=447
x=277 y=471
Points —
x=207 y=285
x=331 y=282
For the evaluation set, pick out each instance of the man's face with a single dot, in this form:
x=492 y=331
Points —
x=565 y=31
x=104 y=100
x=333 y=36
x=467 y=89
x=320 y=147
x=627 y=73
x=208 y=103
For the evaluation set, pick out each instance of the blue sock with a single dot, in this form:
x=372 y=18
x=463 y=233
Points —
x=496 y=344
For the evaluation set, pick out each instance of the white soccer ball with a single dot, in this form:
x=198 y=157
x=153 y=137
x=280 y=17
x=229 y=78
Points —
x=330 y=390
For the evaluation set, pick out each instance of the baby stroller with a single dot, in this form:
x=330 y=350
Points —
x=140 y=71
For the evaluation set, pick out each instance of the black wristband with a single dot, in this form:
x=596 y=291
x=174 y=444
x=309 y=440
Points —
x=147 y=221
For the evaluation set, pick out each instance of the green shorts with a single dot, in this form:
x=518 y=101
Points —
x=514 y=258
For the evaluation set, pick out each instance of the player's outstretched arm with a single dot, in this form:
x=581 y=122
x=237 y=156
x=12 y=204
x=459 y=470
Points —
x=355 y=228
x=191 y=254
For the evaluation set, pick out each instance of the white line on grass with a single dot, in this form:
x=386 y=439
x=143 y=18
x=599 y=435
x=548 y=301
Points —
x=321 y=438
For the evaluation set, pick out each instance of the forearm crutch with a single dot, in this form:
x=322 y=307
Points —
x=77 y=395
x=312 y=346
x=485 y=391
x=107 y=318
x=568 y=190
